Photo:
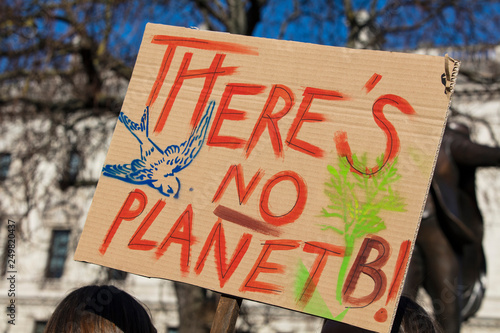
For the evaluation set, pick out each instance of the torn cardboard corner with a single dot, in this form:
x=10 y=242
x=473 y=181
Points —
x=253 y=167
x=451 y=67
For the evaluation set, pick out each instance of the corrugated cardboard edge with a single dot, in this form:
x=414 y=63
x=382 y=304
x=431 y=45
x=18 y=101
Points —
x=451 y=76
x=451 y=79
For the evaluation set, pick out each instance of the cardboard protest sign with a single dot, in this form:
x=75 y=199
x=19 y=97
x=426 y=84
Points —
x=287 y=173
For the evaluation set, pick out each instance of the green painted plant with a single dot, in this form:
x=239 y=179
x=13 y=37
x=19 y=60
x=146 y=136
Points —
x=356 y=202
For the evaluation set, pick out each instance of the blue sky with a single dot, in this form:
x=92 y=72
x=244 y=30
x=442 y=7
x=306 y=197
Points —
x=473 y=23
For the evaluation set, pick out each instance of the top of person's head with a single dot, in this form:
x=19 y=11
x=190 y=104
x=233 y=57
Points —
x=105 y=309
x=411 y=317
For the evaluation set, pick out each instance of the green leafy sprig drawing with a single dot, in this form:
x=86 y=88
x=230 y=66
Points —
x=356 y=201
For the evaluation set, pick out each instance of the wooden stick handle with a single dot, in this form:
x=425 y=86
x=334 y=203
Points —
x=226 y=314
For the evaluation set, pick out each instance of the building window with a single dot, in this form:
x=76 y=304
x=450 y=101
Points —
x=115 y=274
x=72 y=169
x=74 y=165
x=58 y=253
x=3 y=270
x=5 y=159
x=39 y=326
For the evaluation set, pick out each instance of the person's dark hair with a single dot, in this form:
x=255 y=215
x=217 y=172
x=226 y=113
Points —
x=105 y=309
x=412 y=318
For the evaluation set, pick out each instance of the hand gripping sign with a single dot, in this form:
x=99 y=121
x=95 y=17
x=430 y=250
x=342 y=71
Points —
x=287 y=173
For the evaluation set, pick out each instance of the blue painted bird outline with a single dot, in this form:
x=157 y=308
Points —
x=158 y=168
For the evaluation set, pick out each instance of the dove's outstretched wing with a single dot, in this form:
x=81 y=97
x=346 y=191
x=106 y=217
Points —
x=179 y=157
x=140 y=131
x=137 y=173
x=134 y=173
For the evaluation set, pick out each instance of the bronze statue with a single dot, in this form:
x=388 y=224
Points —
x=448 y=259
